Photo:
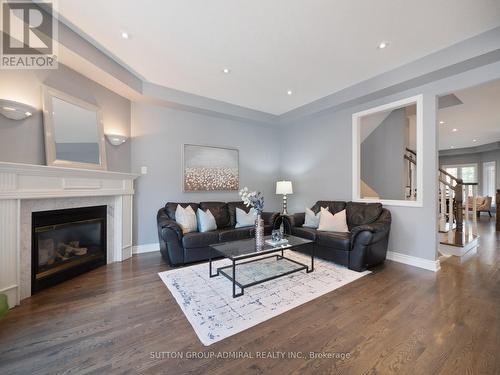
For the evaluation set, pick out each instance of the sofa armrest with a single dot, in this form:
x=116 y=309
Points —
x=379 y=229
x=298 y=219
x=170 y=238
x=269 y=217
x=165 y=222
x=369 y=242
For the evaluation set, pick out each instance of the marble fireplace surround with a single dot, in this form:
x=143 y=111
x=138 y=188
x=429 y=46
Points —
x=28 y=188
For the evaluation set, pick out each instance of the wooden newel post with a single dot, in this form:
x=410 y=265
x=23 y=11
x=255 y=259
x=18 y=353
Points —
x=498 y=216
x=459 y=197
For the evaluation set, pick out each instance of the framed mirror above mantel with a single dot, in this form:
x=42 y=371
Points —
x=388 y=153
x=74 y=135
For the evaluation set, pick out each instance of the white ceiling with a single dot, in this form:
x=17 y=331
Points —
x=313 y=47
x=477 y=118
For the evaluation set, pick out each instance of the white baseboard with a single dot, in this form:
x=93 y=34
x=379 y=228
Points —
x=145 y=248
x=431 y=265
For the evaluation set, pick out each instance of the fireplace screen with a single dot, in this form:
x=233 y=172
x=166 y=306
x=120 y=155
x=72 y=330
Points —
x=67 y=243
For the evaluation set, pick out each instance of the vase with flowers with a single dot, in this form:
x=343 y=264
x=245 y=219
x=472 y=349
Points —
x=255 y=199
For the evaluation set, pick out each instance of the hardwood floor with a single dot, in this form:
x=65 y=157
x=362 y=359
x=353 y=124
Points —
x=398 y=320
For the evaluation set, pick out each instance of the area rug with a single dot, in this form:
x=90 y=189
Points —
x=213 y=312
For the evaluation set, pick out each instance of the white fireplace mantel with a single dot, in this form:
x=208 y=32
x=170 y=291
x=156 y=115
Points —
x=20 y=182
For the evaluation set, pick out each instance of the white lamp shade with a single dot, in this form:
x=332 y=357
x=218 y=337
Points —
x=284 y=187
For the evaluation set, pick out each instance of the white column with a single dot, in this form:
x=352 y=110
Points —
x=127 y=207
x=9 y=241
x=116 y=254
x=9 y=253
x=474 y=210
x=450 y=209
x=466 y=216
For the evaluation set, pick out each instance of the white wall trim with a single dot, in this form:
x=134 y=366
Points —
x=145 y=248
x=356 y=151
x=431 y=265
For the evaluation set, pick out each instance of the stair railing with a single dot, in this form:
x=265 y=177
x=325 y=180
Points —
x=453 y=192
x=411 y=190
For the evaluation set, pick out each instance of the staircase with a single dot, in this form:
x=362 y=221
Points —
x=457 y=204
x=457 y=209
x=410 y=157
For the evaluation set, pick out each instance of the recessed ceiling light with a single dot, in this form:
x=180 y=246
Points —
x=441 y=122
x=226 y=70
x=452 y=146
x=289 y=92
x=382 y=45
x=454 y=129
x=125 y=35
x=474 y=140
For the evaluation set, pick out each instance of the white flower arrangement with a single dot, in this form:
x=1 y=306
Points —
x=253 y=199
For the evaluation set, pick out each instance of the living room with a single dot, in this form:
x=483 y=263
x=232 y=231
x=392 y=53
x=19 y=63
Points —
x=181 y=269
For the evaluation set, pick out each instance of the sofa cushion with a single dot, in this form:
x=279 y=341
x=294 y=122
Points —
x=303 y=232
x=186 y=218
x=333 y=223
x=170 y=208
x=333 y=206
x=245 y=219
x=235 y=234
x=220 y=212
x=335 y=240
x=206 y=221
x=199 y=239
x=362 y=213
x=231 y=207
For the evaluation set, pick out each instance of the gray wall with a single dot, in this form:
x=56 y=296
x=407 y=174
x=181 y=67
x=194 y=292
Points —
x=317 y=157
x=381 y=168
x=159 y=134
x=23 y=141
x=318 y=160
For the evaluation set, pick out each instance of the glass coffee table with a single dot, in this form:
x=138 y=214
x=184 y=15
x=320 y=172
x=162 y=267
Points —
x=259 y=268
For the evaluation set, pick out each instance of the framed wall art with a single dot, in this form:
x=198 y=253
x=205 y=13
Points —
x=210 y=168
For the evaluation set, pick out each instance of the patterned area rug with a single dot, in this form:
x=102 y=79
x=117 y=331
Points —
x=213 y=312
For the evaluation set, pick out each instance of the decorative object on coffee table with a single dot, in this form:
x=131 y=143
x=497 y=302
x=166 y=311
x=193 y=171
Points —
x=284 y=187
x=255 y=199
x=208 y=168
x=283 y=223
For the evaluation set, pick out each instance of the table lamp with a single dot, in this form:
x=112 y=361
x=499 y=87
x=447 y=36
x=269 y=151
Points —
x=284 y=187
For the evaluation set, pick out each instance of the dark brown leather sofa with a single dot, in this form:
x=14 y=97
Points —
x=178 y=248
x=365 y=245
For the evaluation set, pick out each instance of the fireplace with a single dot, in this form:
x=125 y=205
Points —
x=66 y=243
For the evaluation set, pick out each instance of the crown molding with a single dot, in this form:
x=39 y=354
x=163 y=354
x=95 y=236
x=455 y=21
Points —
x=471 y=150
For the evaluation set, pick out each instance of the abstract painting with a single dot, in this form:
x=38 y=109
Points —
x=208 y=168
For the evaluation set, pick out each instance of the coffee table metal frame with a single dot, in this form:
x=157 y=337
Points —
x=279 y=249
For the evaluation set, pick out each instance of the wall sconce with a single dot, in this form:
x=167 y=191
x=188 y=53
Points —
x=116 y=139
x=15 y=110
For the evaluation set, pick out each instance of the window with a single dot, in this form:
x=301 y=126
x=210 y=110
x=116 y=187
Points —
x=489 y=180
x=467 y=172
x=452 y=171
